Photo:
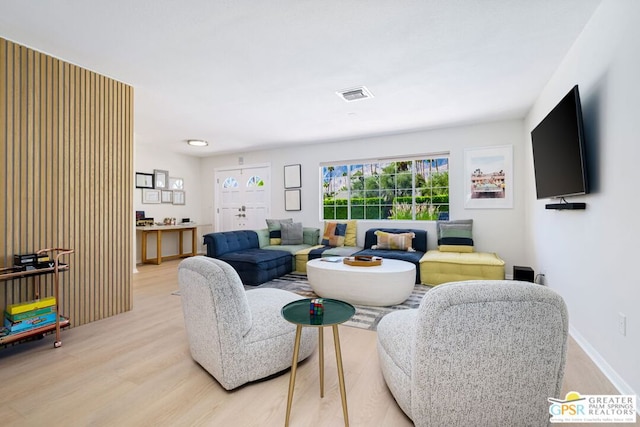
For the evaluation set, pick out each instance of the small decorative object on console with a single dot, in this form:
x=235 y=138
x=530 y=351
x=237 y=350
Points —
x=316 y=311
x=144 y=222
x=316 y=307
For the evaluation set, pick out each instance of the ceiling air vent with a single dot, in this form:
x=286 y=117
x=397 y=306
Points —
x=355 y=94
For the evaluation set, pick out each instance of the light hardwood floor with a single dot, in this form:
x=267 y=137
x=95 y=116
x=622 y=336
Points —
x=134 y=369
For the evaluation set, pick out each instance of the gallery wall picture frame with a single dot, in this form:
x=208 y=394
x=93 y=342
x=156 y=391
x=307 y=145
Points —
x=178 y=197
x=144 y=180
x=176 y=183
x=160 y=179
x=150 y=196
x=292 y=176
x=167 y=196
x=292 y=200
x=488 y=177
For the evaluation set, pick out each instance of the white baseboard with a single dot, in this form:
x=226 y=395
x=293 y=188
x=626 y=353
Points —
x=618 y=382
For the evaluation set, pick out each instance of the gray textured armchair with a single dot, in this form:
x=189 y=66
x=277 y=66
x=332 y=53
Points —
x=238 y=336
x=476 y=353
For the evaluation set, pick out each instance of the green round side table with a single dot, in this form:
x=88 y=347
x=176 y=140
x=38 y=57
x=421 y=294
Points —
x=334 y=313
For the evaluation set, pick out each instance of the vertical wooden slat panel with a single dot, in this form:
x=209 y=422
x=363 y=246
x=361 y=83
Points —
x=3 y=147
x=28 y=143
x=8 y=200
x=13 y=196
x=95 y=229
x=86 y=254
x=4 y=128
x=117 y=205
x=52 y=134
x=70 y=158
x=58 y=142
x=21 y=210
x=42 y=145
x=18 y=161
x=66 y=159
x=126 y=210
x=81 y=241
x=108 y=179
x=37 y=151
x=100 y=190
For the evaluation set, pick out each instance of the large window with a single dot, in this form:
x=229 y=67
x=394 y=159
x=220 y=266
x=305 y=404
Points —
x=396 y=189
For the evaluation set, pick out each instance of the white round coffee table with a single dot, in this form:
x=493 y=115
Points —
x=387 y=284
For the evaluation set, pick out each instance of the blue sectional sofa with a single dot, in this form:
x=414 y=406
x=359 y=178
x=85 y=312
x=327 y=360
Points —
x=419 y=243
x=241 y=249
x=256 y=261
x=249 y=252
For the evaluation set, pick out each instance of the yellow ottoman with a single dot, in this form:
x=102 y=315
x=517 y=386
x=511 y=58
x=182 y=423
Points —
x=440 y=267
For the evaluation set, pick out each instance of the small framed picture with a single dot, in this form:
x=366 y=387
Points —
x=178 y=197
x=292 y=178
x=144 y=180
x=150 y=196
x=292 y=200
x=160 y=179
x=176 y=183
x=167 y=196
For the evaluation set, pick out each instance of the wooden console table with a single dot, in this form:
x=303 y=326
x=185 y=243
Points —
x=158 y=230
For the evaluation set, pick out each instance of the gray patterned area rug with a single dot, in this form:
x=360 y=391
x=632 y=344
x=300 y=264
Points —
x=366 y=317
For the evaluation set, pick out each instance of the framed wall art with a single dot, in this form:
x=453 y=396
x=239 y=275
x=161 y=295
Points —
x=178 y=197
x=488 y=177
x=176 y=183
x=167 y=196
x=160 y=179
x=292 y=200
x=144 y=180
x=292 y=176
x=150 y=196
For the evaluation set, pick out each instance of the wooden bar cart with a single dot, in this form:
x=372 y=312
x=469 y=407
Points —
x=11 y=273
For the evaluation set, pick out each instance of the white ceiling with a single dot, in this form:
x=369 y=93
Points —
x=246 y=74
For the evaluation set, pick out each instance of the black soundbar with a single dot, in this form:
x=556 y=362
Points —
x=562 y=206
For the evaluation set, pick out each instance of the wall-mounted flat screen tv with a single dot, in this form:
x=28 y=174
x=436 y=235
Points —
x=559 y=150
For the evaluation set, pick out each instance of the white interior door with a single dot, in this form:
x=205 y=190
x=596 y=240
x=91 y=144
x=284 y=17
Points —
x=243 y=198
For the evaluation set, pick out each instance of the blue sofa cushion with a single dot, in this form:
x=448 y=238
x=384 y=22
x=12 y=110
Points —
x=256 y=266
x=255 y=256
x=223 y=242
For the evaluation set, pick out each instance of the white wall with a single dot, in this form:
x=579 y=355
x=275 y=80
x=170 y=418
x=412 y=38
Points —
x=590 y=256
x=495 y=230
x=148 y=158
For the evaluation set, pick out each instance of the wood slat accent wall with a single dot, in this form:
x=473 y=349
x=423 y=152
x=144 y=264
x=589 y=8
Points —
x=66 y=168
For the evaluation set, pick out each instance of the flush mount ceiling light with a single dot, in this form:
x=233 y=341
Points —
x=197 y=142
x=355 y=94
